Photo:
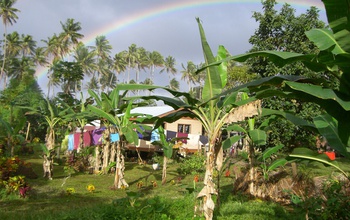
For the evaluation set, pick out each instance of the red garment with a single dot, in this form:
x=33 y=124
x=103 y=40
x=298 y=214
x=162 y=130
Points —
x=182 y=135
x=87 y=138
x=76 y=140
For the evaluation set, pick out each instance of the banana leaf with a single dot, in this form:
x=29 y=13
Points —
x=271 y=150
x=258 y=137
x=277 y=163
x=226 y=144
x=328 y=127
x=305 y=153
x=213 y=83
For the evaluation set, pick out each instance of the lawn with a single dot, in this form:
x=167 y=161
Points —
x=68 y=197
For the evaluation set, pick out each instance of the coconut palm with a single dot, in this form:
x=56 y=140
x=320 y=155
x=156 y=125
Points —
x=174 y=84
x=21 y=67
x=131 y=56
x=28 y=45
x=13 y=47
x=188 y=73
x=8 y=14
x=70 y=36
x=155 y=60
x=119 y=63
x=53 y=48
x=169 y=66
x=148 y=81
x=39 y=57
x=108 y=81
x=141 y=62
x=102 y=50
x=85 y=58
x=93 y=84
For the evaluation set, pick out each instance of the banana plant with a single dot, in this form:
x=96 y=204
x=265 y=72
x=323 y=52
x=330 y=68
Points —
x=167 y=146
x=214 y=111
x=334 y=58
x=267 y=155
x=12 y=134
x=80 y=117
x=112 y=109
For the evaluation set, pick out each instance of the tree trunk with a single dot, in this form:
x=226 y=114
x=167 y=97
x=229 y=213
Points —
x=252 y=170
x=119 y=181
x=209 y=186
x=165 y=160
x=112 y=152
x=81 y=142
x=106 y=150
x=97 y=159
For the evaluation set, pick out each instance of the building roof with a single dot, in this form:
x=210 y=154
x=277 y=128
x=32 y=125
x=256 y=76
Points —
x=152 y=110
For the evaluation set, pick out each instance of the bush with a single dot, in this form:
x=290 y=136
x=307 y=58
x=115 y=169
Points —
x=333 y=204
x=10 y=181
x=192 y=164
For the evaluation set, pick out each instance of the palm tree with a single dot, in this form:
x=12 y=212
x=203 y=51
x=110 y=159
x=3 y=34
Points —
x=93 y=84
x=119 y=63
x=142 y=62
x=155 y=60
x=188 y=73
x=28 y=45
x=102 y=50
x=174 y=84
x=108 y=81
x=13 y=47
x=19 y=68
x=169 y=65
x=39 y=57
x=148 y=81
x=86 y=59
x=8 y=14
x=53 y=48
x=70 y=36
x=131 y=56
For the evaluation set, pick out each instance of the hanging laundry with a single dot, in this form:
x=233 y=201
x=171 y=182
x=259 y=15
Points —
x=70 y=142
x=155 y=135
x=193 y=140
x=184 y=136
x=203 y=140
x=147 y=135
x=87 y=139
x=170 y=135
x=97 y=136
x=114 y=137
x=76 y=140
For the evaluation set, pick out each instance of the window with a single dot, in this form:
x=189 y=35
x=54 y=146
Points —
x=183 y=128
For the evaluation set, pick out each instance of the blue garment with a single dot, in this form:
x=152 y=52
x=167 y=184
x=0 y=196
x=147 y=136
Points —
x=155 y=136
x=70 y=142
x=114 y=137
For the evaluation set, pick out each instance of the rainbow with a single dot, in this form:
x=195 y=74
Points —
x=172 y=7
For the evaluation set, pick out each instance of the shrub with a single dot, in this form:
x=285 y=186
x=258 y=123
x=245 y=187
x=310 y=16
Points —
x=192 y=164
x=10 y=181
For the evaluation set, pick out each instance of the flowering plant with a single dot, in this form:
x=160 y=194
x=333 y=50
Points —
x=90 y=188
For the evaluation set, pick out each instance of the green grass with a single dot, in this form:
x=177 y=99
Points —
x=49 y=200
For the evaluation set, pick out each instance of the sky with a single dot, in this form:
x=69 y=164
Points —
x=166 y=26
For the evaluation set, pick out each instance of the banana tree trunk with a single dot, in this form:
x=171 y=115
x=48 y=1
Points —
x=106 y=150
x=165 y=160
x=97 y=159
x=252 y=170
x=81 y=141
x=209 y=185
x=119 y=181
